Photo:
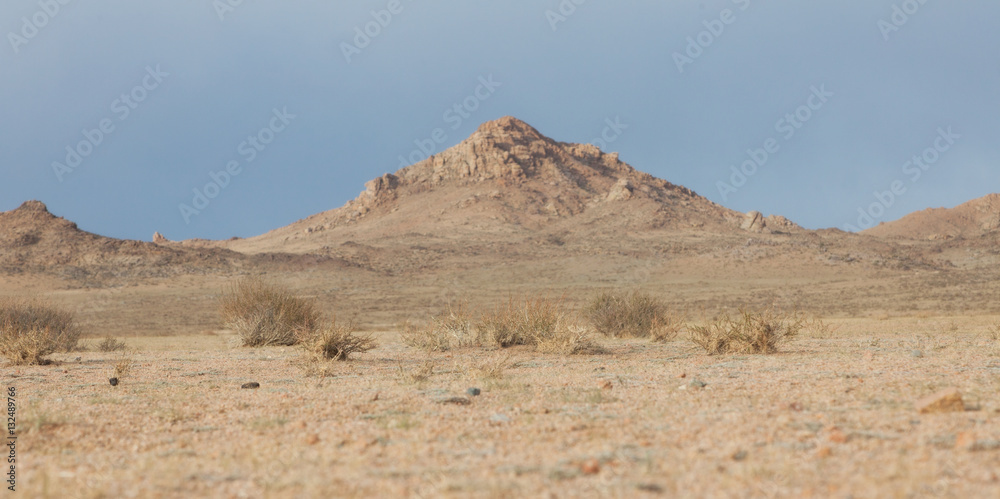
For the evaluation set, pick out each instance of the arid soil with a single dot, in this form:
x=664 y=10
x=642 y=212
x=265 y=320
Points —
x=832 y=415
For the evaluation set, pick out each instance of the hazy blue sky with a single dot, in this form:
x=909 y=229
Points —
x=885 y=86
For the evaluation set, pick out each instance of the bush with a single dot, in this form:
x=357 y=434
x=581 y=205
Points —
x=751 y=332
x=633 y=315
x=452 y=329
x=519 y=323
x=335 y=342
x=266 y=314
x=31 y=330
x=535 y=322
x=110 y=344
x=124 y=364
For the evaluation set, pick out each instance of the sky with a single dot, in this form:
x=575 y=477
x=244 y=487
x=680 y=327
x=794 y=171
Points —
x=214 y=119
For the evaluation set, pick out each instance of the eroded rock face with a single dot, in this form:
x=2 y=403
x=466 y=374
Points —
x=754 y=222
x=622 y=191
x=159 y=239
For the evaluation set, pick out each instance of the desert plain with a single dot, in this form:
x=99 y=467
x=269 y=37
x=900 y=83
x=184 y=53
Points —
x=891 y=316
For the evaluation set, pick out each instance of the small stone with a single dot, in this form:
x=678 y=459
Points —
x=947 y=400
x=113 y=381
x=682 y=375
x=740 y=455
x=650 y=487
x=312 y=439
x=916 y=354
x=606 y=385
x=473 y=391
x=697 y=384
x=824 y=452
x=499 y=418
x=251 y=385
x=590 y=467
x=454 y=401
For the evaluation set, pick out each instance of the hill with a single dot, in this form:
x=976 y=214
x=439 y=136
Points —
x=970 y=220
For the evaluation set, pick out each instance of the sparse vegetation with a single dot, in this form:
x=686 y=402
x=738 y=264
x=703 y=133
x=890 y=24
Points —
x=535 y=322
x=519 y=323
x=265 y=314
x=420 y=374
x=633 y=315
x=335 y=342
x=110 y=344
x=750 y=333
x=994 y=336
x=124 y=364
x=451 y=329
x=492 y=367
x=30 y=330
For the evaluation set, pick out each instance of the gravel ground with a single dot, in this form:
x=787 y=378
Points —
x=832 y=415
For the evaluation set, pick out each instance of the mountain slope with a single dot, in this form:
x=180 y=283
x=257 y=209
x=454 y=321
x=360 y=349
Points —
x=969 y=220
x=33 y=240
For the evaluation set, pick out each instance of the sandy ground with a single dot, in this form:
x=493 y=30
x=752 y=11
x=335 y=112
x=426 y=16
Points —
x=831 y=416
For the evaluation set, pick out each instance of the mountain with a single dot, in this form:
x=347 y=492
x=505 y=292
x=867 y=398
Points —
x=969 y=220
x=507 y=183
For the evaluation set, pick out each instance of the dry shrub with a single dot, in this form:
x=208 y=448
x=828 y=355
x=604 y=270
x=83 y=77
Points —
x=265 y=314
x=519 y=322
x=30 y=330
x=751 y=332
x=452 y=329
x=993 y=335
x=110 y=344
x=492 y=367
x=418 y=375
x=569 y=339
x=536 y=322
x=335 y=342
x=633 y=315
x=124 y=364
x=994 y=332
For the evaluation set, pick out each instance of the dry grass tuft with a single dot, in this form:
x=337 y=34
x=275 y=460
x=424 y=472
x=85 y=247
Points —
x=569 y=339
x=535 y=322
x=335 y=342
x=492 y=367
x=452 y=329
x=750 y=333
x=519 y=322
x=110 y=344
x=30 y=330
x=633 y=315
x=265 y=314
x=124 y=364
x=420 y=374
x=993 y=335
